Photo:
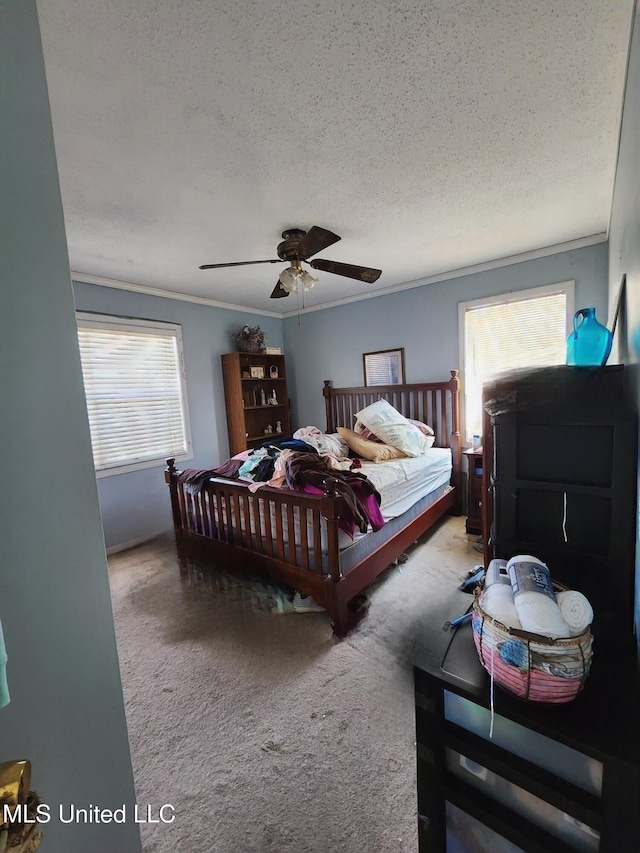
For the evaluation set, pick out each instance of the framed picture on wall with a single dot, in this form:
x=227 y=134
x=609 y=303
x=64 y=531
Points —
x=617 y=320
x=384 y=367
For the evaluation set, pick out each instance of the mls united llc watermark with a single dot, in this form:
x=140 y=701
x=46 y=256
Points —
x=91 y=814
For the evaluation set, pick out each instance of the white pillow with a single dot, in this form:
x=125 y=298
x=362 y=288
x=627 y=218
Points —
x=426 y=430
x=393 y=428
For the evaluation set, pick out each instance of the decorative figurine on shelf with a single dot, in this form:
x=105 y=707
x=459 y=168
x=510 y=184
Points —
x=278 y=426
x=273 y=400
x=268 y=429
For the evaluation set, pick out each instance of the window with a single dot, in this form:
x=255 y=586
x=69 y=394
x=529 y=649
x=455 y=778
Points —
x=135 y=389
x=523 y=329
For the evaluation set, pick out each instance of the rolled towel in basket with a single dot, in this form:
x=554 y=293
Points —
x=576 y=610
x=497 y=602
x=534 y=597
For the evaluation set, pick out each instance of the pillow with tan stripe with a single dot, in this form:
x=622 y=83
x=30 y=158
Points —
x=374 y=451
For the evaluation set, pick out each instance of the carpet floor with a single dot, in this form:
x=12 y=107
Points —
x=265 y=733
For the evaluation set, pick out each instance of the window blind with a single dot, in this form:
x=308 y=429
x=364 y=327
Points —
x=379 y=371
x=133 y=383
x=508 y=335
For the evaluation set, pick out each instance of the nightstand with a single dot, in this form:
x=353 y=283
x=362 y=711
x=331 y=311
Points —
x=474 y=490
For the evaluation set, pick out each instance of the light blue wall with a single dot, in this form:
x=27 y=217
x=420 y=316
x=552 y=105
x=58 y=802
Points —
x=136 y=505
x=624 y=236
x=66 y=712
x=424 y=320
x=327 y=345
x=624 y=239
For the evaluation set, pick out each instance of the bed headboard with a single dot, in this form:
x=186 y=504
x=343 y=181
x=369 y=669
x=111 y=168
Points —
x=433 y=403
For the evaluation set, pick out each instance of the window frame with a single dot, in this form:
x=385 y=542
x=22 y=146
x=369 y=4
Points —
x=566 y=287
x=117 y=323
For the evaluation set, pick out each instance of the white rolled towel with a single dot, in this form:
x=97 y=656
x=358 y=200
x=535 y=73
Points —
x=497 y=602
x=576 y=610
x=534 y=597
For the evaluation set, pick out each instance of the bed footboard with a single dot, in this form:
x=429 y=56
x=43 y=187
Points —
x=292 y=536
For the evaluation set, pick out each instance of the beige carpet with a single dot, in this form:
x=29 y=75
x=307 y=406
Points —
x=264 y=733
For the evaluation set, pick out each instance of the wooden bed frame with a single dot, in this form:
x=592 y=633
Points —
x=219 y=524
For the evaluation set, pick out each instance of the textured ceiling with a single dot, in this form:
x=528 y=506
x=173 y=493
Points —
x=430 y=134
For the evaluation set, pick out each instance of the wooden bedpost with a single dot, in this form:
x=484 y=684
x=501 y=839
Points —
x=456 y=439
x=170 y=477
x=331 y=508
x=336 y=602
x=326 y=393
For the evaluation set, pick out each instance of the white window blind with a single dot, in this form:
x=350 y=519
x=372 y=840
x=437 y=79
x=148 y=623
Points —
x=379 y=371
x=135 y=391
x=507 y=333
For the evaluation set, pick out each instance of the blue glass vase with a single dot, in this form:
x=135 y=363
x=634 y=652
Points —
x=590 y=342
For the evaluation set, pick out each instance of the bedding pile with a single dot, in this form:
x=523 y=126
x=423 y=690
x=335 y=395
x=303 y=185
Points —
x=304 y=462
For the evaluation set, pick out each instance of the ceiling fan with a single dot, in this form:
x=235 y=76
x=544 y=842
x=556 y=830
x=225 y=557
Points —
x=297 y=246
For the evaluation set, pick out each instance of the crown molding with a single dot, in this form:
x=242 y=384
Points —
x=556 y=249
x=146 y=290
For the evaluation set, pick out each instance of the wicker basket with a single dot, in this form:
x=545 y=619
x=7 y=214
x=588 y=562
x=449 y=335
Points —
x=249 y=346
x=532 y=667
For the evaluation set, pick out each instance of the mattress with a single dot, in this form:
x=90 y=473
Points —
x=401 y=483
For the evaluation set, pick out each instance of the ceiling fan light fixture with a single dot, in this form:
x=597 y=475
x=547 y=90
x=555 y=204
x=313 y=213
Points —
x=308 y=280
x=289 y=279
x=294 y=278
x=298 y=246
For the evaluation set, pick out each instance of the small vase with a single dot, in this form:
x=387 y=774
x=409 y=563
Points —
x=590 y=342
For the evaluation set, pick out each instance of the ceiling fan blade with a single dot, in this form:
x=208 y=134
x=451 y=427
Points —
x=349 y=270
x=315 y=240
x=239 y=264
x=278 y=291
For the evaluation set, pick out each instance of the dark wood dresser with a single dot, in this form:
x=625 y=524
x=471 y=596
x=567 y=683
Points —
x=560 y=469
x=539 y=778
